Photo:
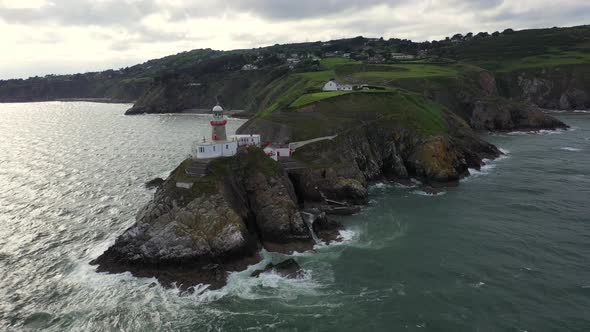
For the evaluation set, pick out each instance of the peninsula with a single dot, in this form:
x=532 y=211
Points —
x=326 y=119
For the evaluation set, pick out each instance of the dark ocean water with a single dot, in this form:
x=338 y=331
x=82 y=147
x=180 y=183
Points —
x=507 y=250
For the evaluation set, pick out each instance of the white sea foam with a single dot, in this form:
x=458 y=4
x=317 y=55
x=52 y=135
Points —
x=347 y=236
x=423 y=193
x=379 y=185
x=519 y=133
x=478 y=284
x=488 y=167
x=267 y=285
x=540 y=132
x=484 y=170
x=567 y=148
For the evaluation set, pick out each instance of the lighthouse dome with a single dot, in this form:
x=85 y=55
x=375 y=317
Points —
x=217 y=108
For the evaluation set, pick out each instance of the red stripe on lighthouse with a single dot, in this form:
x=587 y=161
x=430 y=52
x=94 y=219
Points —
x=218 y=122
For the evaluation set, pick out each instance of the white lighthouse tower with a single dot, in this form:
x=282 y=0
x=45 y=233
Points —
x=219 y=145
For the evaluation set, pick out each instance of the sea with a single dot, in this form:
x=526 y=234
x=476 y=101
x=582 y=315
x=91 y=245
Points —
x=506 y=250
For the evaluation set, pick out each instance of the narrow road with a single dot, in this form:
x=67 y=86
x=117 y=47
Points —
x=296 y=145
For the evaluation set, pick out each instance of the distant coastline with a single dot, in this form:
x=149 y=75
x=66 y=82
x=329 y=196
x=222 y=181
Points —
x=98 y=100
x=88 y=100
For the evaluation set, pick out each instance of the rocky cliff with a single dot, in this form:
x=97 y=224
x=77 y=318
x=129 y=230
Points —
x=488 y=104
x=560 y=87
x=196 y=235
x=394 y=135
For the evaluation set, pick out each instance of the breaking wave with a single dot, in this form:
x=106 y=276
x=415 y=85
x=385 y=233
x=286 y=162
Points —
x=567 y=148
x=431 y=194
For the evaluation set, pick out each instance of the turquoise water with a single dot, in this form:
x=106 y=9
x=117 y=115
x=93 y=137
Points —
x=507 y=250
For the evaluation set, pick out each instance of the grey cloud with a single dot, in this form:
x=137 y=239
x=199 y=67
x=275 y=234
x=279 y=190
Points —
x=124 y=12
x=82 y=12
x=289 y=9
x=565 y=15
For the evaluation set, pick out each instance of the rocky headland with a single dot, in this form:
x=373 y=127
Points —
x=218 y=223
x=418 y=121
x=198 y=229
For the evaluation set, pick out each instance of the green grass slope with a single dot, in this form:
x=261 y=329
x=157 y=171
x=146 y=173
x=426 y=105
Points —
x=339 y=113
x=299 y=89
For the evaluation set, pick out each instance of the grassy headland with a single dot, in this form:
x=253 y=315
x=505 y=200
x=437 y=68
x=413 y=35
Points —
x=342 y=112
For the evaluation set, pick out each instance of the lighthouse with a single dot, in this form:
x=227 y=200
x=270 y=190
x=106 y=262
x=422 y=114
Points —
x=219 y=145
x=218 y=124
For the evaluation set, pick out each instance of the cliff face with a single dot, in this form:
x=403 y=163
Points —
x=394 y=135
x=234 y=89
x=196 y=235
x=490 y=104
x=341 y=168
x=561 y=87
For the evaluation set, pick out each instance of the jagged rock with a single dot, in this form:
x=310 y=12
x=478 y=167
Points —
x=278 y=220
x=564 y=102
x=196 y=235
x=155 y=183
x=487 y=82
x=560 y=87
x=376 y=150
x=328 y=230
x=203 y=230
x=503 y=115
x=287 y=269
x=438 y=160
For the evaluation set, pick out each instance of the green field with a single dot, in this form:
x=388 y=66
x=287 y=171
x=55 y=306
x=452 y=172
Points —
x=331 y=63
x=301 y=89
x=374 y=73
x=339 y=113
x=315 y=97
x=552 y=58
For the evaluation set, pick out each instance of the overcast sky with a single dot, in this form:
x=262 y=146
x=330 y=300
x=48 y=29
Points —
x=68 y=36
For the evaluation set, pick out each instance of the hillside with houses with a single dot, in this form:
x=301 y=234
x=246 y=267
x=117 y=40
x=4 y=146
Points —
x=264 y=80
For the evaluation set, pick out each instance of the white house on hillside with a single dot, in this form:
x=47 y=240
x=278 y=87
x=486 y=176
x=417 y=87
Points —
x=332 y=85
x=249 y=67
